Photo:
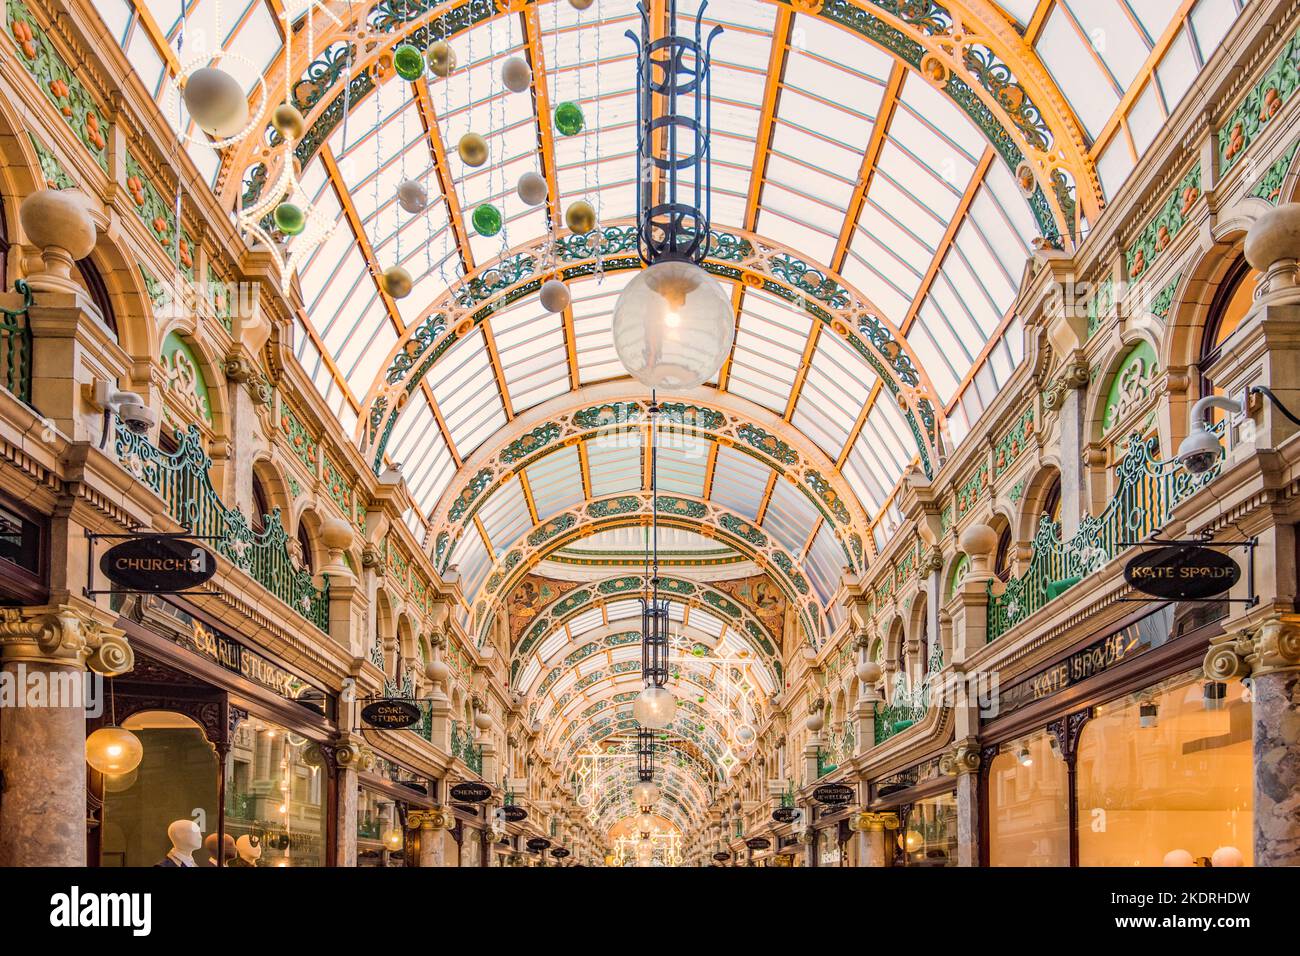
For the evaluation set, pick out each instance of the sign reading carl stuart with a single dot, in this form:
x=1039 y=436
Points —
x=1182 y=573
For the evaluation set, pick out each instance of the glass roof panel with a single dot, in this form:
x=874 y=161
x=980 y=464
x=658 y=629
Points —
x=504 y=515
x=614 y=462
x=465 y=389
x=556 y=482
x=790 y=517
x=739 y=481
x=833 y=392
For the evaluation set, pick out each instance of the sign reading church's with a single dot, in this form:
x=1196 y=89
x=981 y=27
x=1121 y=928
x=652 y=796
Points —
x=1182 y=573
x=158 y=564
x=391 y=714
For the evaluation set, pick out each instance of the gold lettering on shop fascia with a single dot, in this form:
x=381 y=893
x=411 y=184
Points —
x=235 y=657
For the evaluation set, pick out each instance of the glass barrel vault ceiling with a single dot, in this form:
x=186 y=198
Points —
x=823 y=143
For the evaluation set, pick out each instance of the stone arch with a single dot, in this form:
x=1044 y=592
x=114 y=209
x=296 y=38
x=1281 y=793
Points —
x=385 y=627
x=271 y=477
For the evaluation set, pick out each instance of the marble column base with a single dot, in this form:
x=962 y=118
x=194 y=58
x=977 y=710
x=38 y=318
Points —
x=43 y=762
x=968 y=820
x=1276 y=707
x=346 y=845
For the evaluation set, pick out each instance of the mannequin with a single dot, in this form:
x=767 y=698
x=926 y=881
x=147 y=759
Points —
x=228 y=853
x=185 y=837
x=249 y=849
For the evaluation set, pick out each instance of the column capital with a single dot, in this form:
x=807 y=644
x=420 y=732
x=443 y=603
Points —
x=67 y=634
x=963 y=758
x=873 y=822
x=1268 y=647
x=436 y=818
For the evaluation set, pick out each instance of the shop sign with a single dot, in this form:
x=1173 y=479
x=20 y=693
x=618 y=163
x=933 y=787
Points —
x=783 y=814
x=722 y=856
x=1182 y=573
x=470 y=792
x=514 y=814
x=559 y=853
x=1097 y=658
x=235 y=657
x=758 y=843
x=391 y=714
x=834 y=794
x=158 y=564
x=537 y=844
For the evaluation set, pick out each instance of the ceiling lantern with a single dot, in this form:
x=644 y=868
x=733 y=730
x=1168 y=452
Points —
x=673 y=323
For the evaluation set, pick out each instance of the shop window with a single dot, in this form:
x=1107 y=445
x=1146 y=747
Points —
x=930 y=838
x=279 y=798
x=304 y=543
x=1166 y=771
x=1028 y=804
x=175 y=781
x=20 y=541
x=1052 y=500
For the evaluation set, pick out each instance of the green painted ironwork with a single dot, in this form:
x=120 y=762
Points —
x=1148 y=490
x=16 y=346
x=462 y=747
x=183 y=480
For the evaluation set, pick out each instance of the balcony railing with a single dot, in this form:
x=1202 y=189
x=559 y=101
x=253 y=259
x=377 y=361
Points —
x=462 y=746
x=182 y=479
x=1148 y=492
x=16 y=347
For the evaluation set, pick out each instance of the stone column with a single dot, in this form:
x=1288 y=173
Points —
x=965 y=763
x=970 y=601
x=43 y=741
x=1269 y=653
x=873 y=844
x=350 y=755
x=434 y=827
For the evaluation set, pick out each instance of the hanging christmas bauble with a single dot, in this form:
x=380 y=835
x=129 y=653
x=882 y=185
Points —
x=441 y=57
x=555 y=295
x=289 y=218
x=216 y=101
x=580 y=217
x=581 y=4
x=516 y=74
x=288 y=122
x=473 y=149
x=408 y=62
x=531 y=188
x=487 y=220
x=397 y=282
x=568 y=118
x=412 y=195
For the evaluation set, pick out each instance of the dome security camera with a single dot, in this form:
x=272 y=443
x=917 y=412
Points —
x=1200 y=450
x=133 y=412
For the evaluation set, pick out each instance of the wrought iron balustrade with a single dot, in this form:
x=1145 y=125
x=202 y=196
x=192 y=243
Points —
x=1146 y=495
x=462 y=746
x=182 y=479
x=16 y=347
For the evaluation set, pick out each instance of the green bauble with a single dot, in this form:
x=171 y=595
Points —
x=487 y=220
x=409 y=62
x=289 y=219
x=568 y=118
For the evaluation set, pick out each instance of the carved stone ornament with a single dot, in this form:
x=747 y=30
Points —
x=963 y=758
x=63 y=634
x=1074 y=374
x=370 y=557
x=867 y=821
x=1269 y=648
x=1226 y=658
x=437 y=818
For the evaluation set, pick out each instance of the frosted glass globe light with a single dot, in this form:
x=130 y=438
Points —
x=673 y=326
x=655 y=707
x=645 y=793
x=113 y=750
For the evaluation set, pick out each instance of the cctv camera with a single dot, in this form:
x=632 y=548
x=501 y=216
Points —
x=135 y=414
x=1199 y=452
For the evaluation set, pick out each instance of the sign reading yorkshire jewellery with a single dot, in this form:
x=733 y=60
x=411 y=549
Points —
x=514 y=814
x=470 y=792
x=834 y=794
x=783 y=814
x=158 y=564
x=758 y=843
x=1182 y=573
x=391 y=714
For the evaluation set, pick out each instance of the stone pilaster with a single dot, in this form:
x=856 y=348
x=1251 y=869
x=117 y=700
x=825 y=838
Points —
x=350 y=755
x=434 y=828
x=873 y=844
x=1269 y=654
x=964 y=761
x=43 y=740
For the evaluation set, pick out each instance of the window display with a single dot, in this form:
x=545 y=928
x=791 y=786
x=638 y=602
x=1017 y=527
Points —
x=276 y=791
x=1028 y=804
x=930 y=838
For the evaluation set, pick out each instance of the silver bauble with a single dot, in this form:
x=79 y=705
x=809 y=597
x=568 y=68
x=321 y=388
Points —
x=412 y=195
x=532 y=188
x=555 y=295
x=216 y=101
x=516 y=74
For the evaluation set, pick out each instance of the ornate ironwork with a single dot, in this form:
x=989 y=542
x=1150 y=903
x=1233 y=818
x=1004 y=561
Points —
x=16 y=346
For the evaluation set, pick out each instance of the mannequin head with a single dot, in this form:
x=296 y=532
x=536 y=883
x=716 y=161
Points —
x=249 y=848
x=185 y=836
x=228 y=853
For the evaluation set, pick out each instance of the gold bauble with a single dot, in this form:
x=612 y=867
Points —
x=581 y=4
x=473 y=149
x=397 y=282
x=441 y=58
x=288 y=122
x=580 y=217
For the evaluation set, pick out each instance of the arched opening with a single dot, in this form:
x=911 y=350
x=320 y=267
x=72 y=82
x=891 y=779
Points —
x=87 y=273
x=261 y=506
x=1002 y=556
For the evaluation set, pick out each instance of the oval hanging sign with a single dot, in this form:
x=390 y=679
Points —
x=390 y=714
x=834 y=794
x=158 y=564
x=758 y=843
x=537 y=844
x=514 y=814
x=722 y=856
x=1182 y=573
x=470 y=792
x=559 y=853
x=783 y=814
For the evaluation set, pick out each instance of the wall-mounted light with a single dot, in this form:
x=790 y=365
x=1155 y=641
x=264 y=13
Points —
x=1148 y=714
x=1214 y=695
x=1023 y=755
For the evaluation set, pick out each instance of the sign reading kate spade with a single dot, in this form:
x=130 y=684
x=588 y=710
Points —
x=1182 y=573
x=758 y=843
x=470 y=792
x=834 y=794
x=158 y=564
x=783 y=814
x=514 y=814
x=391 y=714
